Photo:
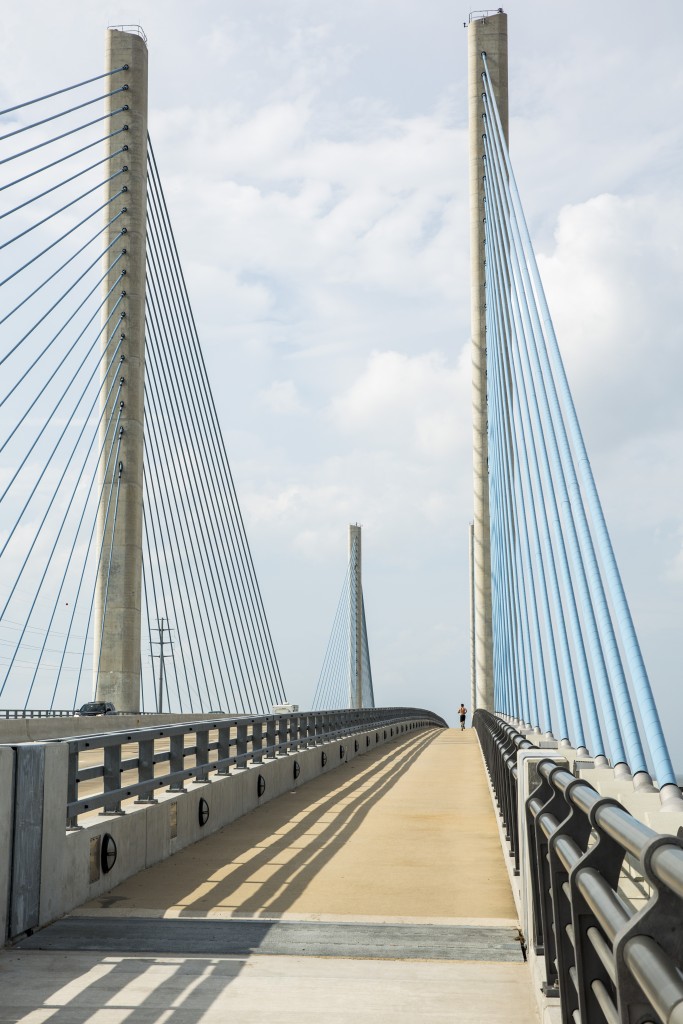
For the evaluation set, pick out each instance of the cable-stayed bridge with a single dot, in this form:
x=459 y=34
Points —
x=121 y=530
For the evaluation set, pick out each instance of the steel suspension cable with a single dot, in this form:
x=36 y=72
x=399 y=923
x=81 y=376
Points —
x=64 y=113
x=212 y=477
x=526 y=515
x=65 y=135
x=216 y=434
x=63 y=159
x=526 y=453
x=88 y=491
x=61 y=184
x=646 y=704
x=60 y=92
x=549 y=436
x=151 y=503
x=530 y=407
x=186 y=531
x=172 y=388
x=184 y=563
x=54 y=494
x=115 y=437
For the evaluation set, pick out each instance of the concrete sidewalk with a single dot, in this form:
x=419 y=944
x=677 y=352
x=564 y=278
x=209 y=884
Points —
x=406 y=831
x=377 y=892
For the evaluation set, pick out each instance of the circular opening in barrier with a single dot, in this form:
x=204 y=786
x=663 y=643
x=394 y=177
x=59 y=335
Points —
x=261 y=788
x=342 y=751
x=203 y=812
x=323 y=759
x=108 y=854
x=296 y=769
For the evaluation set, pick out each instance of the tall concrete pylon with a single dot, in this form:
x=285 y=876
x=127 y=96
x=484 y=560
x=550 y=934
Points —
x=486 y=34
x=118 y=597
x=355 y=619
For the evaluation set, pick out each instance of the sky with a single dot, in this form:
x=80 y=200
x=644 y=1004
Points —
x=314 y=157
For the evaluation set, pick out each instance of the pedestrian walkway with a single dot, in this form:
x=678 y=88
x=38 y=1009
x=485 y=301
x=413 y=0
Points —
x=378 y=890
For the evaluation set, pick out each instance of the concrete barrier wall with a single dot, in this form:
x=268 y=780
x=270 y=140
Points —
x=35 y=730
x=7 y=761
x=71 y=862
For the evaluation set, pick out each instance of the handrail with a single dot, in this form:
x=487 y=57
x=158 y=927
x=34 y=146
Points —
x=130 y=758
x=608 y=959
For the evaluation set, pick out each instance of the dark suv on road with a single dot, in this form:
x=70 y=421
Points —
x=96 y=707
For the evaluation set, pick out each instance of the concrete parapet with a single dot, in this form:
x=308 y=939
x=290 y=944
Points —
x=36 y=730
x=7 y=759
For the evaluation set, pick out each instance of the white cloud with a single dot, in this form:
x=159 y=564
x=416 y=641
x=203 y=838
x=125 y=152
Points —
x=282 y=398
x=407 y=403
x=612 y=279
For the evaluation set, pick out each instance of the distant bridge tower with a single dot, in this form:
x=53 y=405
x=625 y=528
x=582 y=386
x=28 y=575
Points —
x=355 y=619
x=118 y=599
x=487 y=34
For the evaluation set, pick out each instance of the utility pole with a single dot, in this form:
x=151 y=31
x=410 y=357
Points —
x=161 y=629
x=118 y=595
x=486 y=34
x=160 y=701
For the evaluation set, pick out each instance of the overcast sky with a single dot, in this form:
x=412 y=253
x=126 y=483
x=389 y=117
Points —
x=314 y=156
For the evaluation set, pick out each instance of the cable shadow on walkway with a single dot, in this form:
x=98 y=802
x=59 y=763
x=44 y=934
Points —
x=275 y=851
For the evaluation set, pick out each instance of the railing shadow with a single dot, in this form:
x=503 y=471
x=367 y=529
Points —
x=147 y=990
x=154 y=988
x=203 y=877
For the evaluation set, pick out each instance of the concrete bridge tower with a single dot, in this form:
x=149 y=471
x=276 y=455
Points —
x=118 y=598
x=486 y=34
x=355 y=620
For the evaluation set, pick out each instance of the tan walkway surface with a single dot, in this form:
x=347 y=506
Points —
x=403 y=838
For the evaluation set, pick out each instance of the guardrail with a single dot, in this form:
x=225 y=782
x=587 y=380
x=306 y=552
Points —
x=607 y=960
x=212 y=746
x=499 y=743
x=35 y=713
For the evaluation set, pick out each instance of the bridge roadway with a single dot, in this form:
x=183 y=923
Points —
x=375 y=892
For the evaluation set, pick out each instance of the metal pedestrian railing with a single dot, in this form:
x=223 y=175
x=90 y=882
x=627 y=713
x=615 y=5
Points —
x=117 y=766
x=608 y=959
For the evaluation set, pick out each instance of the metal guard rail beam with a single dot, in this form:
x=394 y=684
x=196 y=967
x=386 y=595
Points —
x=609 y=961
x=34 y=713
x=239 y=741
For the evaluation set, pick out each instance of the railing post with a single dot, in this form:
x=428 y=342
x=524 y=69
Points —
x=606 y=857
x=72 y=784
x=177 y=762
x=270 y=737
x=223 y=749
x=257 y=741
x=282 y=734
x=146 y=770
x=577 y=829
x=112 y=778
x=202 y=754
x=241 y=751
x=659 y=919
